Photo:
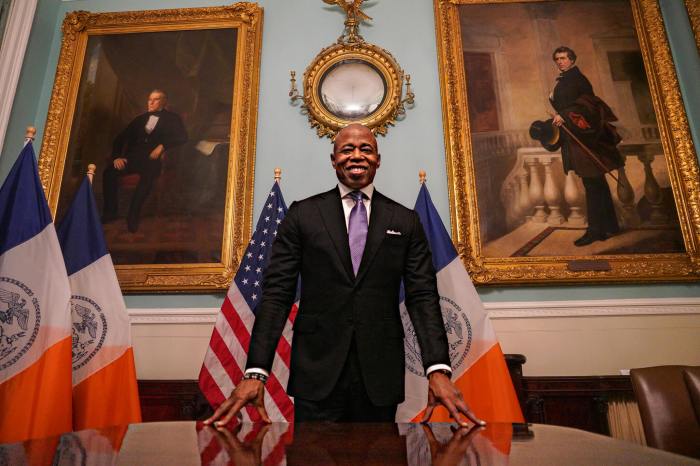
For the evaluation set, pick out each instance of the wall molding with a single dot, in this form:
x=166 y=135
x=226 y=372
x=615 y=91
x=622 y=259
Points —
x=591 y=308
x=197 y=315
x=496 y=310
x=14 y=44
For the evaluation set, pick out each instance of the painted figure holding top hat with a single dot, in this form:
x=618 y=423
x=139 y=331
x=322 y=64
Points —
x=582 y=129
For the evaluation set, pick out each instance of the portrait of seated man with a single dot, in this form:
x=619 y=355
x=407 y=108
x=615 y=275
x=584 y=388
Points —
x=139 y=149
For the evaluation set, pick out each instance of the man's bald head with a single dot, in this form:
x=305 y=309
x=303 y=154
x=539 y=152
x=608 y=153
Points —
x=355 y=127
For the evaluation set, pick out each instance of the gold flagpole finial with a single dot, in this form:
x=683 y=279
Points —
x=278 y=174
x=30 y=133
x=91 y=171
x=421 y=176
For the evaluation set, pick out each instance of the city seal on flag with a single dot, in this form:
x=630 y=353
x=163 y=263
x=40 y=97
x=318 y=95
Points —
x=89 y=329
x=20 y=319
x=459 y=337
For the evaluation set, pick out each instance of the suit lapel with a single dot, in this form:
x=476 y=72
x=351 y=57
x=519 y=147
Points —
x=331 y=211
x=379 y=220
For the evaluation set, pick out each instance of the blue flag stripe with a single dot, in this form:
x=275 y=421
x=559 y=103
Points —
x=441 y=245
x=80 y=231
x=249 y=277
x=24 y=212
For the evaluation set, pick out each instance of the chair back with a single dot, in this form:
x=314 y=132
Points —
x=668 y=414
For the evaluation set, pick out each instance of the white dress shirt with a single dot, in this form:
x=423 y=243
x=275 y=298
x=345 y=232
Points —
x=348 y=204
x=151 y=124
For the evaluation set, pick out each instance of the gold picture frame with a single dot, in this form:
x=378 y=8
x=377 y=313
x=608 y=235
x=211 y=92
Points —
x=131 y=54
x=467 y=194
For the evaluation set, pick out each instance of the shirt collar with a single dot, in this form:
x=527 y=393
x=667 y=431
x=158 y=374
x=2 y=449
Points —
x=367 y=190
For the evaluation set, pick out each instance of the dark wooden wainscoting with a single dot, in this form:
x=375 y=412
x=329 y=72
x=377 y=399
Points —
x=579 y=402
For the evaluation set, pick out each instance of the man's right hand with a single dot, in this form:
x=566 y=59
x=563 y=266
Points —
x=120 y=163
x=248 y=391
x=557 y=120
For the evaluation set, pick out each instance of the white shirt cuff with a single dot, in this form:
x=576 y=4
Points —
x=435 y=367
x=257 y=370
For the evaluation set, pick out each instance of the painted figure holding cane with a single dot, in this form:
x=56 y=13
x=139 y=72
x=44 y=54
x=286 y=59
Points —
x=588 y=142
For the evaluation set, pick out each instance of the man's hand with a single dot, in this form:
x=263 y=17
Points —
x=455 y=450
x=442 y=391
x=120 y=163
x=157 y=152
x=557 y=120
x=242 y=453
x=248 y=391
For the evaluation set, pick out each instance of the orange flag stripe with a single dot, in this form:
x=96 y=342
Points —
x=108 y=397
x=488 y=390
x=36 y=402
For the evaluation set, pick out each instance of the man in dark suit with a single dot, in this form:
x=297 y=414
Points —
x=352 y=247
x=139 y=148
x=589 y=118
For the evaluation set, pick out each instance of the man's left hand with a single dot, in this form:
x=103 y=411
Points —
x=157 y=152
x=442 y=391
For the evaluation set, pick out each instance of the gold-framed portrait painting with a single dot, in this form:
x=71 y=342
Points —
x=164 y=102
x=568 y=150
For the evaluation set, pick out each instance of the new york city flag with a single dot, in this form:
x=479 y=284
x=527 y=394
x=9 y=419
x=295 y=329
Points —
x=35 y=322
x=478 y=366
x=104 y=379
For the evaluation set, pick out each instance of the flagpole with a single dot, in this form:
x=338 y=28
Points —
x=29 y=134
x=421 y=176
x=278 y=175
x=91 y=171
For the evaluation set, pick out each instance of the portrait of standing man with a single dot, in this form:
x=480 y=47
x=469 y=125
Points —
x=588 y=119
x=352 y=247
x=139 y=148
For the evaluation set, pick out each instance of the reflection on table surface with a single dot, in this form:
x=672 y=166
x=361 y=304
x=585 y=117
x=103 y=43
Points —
x=190 y=443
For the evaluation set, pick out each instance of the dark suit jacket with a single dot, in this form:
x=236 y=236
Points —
x=589 y=118
x=336 y=306
x=134 y=143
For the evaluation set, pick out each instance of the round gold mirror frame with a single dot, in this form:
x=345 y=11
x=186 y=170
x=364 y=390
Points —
x=326 y=122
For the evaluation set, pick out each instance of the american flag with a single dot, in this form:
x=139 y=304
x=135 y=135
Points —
x=225 y=360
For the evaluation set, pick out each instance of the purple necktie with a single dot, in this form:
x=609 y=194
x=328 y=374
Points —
x=357 y=230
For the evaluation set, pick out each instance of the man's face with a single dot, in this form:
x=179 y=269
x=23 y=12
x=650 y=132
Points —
x=355 y=157
x=563 y=61
x=156 y=102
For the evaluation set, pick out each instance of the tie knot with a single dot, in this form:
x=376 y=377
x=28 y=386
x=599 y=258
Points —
x=356 y=195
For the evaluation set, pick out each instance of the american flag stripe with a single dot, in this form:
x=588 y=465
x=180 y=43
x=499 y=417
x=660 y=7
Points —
x=273 y=453
x=208 y=383
x=209 y=446
x=276 y=455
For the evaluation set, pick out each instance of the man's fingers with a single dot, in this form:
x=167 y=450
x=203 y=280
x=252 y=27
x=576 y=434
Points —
x=231 y=412
x=263 y=413
x=454 y=413
x=218 y=413
x=462 y=406
x=432 y=441
x=428 y=412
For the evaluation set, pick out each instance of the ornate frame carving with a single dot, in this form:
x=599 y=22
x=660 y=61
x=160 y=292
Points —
x=682 y=165
x=247 y=19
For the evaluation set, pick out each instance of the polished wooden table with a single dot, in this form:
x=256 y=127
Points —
x=189 y=443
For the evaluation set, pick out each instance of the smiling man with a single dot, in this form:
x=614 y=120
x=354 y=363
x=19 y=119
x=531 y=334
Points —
x=352 y=247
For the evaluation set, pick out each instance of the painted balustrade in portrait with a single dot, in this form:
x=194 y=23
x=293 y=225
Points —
x=536 y=189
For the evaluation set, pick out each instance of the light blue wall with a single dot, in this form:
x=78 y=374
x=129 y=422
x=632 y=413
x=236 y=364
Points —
x=294 y=32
